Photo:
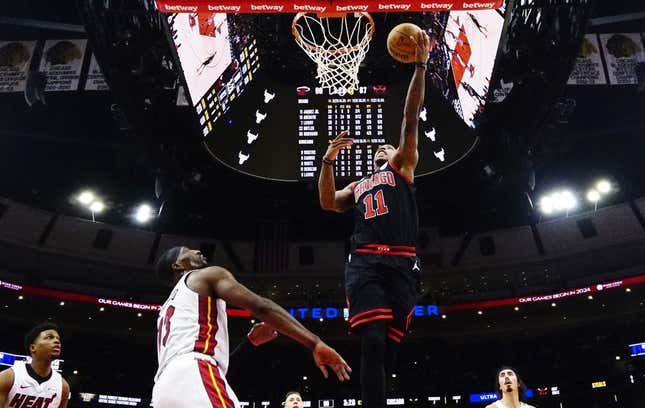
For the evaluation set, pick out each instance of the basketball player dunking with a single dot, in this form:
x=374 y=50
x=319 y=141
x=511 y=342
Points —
x=36 y=384
x=382 y=274
x=192 y=335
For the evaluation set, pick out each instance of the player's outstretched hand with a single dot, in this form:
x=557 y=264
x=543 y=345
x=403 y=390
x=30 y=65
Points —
x=340 y=142
x=325 y=356
x=261 y=333
x=424 y=46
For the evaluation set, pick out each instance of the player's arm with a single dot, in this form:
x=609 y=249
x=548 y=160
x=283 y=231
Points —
x=226 y=287
x=6 y=382
x=407 y=155
x=330 y=199
x=65 y=397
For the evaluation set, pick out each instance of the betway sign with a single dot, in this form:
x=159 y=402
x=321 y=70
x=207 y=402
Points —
x=318 y=6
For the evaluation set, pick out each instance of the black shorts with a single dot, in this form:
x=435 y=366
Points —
x=382 y=287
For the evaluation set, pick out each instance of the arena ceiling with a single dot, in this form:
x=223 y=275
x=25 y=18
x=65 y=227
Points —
x=78 y=140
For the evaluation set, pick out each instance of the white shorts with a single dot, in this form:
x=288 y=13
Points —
x=189 y=381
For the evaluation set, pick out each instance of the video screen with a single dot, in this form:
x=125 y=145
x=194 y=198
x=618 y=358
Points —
x=217 y=59
x=471 y=39
x=277 y=126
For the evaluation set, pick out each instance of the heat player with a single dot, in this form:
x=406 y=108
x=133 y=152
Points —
x=192 y=335
x=35 y=384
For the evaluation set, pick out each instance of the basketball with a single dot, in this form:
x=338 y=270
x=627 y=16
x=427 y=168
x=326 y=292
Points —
x=399 y=44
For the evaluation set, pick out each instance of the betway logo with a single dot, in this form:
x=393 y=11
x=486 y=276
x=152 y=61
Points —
x=478 y=5
x=266 y=7
x=357 y=7
x=224 y=8
x=405 y=7
x=307 y=7
x=180 y=9
x=436 y=6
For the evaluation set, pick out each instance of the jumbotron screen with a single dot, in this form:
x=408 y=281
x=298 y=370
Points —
x=255 y=122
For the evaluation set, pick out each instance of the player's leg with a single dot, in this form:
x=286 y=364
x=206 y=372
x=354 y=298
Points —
x=369 y=314
x=217 y=389
x=373 y=379
x=404 y=282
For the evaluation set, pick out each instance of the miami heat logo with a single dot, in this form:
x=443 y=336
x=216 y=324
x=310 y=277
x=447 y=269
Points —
x=31 y=401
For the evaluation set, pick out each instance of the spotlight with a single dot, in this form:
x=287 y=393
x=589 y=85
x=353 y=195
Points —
x=628 y=290
x=553 y=304
x=97 y=207
x=593 y=196
x=21 y=297
x=565 y=201
x=590 y=297
x=144 y=213
x=62 y=303
x=443 y=316
x=516 y=308
x=603 y=186
x=617 y=358
x=85 y=197
x=479 y=312
x=558 y=201
x=546 y=205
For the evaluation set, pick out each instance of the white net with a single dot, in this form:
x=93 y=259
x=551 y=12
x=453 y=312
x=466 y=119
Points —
x=337 y=45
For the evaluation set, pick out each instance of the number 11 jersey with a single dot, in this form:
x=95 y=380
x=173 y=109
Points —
x=385 y=209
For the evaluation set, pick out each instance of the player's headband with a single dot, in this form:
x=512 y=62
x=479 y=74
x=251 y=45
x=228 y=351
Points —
x=164 y=263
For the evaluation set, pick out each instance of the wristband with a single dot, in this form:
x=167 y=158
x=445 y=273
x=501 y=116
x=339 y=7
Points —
x=421 y=65
x=327 y=161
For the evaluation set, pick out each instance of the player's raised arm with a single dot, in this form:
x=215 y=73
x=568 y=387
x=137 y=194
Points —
x=230 y=290
x=330 y=199
x=407 y=155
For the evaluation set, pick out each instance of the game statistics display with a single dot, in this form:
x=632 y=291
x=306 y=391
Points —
x=255 y=123
x=321 y=117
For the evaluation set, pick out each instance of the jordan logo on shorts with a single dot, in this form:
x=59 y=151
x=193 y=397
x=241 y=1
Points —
x=416 y=266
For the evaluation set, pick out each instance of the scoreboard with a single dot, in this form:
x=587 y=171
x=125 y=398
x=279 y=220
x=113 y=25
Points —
x=322 y=117
x=255 y=118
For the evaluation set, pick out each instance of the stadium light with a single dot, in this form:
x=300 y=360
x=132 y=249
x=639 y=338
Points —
x=593 y=195
x=89 y=200
x=85 y=197
x=603 y=186
x=143 y=214
x=546 y=205
x=97 y=207
x=558 y=201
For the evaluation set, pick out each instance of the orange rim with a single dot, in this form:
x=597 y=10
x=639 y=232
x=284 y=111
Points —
x=344 y=50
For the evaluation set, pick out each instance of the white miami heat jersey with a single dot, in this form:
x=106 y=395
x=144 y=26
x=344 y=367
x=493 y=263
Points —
x=500 y=404
x=26 y=392
x=192 y=323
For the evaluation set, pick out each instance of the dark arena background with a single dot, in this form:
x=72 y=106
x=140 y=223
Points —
x=121 y=135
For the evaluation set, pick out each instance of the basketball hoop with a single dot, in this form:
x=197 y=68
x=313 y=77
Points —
x=337 y=43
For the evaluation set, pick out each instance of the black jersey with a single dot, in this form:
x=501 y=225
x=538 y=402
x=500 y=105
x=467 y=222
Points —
x=385 y=209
